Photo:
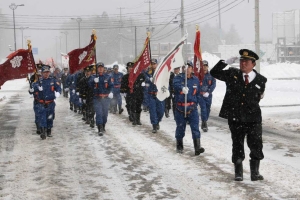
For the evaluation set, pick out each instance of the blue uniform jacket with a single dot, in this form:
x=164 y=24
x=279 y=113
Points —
x=151 y=87
x=193 y=96
x=208 y=84
x=50 y=86
x=103 y=87
x=116 y=78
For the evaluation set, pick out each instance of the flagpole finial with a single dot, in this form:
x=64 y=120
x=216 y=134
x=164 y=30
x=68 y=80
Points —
x=29 y=45
x=148 y=34
x=197 y=27
x=94 y=34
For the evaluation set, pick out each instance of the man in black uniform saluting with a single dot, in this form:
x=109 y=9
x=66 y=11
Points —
x=244 y=89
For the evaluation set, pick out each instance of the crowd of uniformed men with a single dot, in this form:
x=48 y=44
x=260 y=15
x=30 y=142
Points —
x=95 y=91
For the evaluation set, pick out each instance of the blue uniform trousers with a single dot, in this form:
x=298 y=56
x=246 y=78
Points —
x=101 y=106
x=117 y=100
x=205 y=104
x=193 y=118
x=36 y=111
x=156 y=109
x=46 y=115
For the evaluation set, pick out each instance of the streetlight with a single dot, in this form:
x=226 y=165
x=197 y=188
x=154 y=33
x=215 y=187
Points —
x=57 y=37
x=66 y=33
x=13 y=6
x=22 y=29
x=78 y=19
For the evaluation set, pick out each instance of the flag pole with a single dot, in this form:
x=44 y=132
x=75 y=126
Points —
x=185 y=98
x=95 y=52
x=148 y=35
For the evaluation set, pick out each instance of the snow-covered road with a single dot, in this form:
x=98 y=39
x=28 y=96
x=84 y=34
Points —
x=131 y=162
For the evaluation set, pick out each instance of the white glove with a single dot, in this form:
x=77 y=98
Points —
x=73 y=91
x=151 y=79
x=125 y=95
x=84 y=100
x=66 y=89
x=185 y=90
x=57 y=94
x=77 y=93
x=231 y=60
x=80 y=100
x=143 y=84
x=96 y=80
x=40 y=88
x=111 y=95
x=31 y=90
x=206 y=94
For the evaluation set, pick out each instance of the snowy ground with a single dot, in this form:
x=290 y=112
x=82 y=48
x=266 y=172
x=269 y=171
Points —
x=132 y=163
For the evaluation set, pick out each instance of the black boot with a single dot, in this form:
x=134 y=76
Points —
x=254 y=168
x=138 y=119
x=157 y=126
x=121 y=110
x=38 y=129
x=205 y=129
x=202 y=125
x=71 y=106
x=75 y=109
x=87 y=120
x=154 y=128
x=130 y=116
x=238 y=170
x=43 y=133
x=134 y=117
x=100 y=130
x=49 y=132
x=197 y=146
x=179 y=145
x=104 y=128
x=92 y=124
x=167 y=113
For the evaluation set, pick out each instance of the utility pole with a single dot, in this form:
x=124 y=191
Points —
x=22 y=29
x=220 y=27
x=257 y=40
x=182 y=18
x=135 y=42
x=66 y=33
x=150 y=28
x=120 y=35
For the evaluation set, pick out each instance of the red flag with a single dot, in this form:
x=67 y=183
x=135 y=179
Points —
x=80 y=58
x=142 y=63
x=18 y=65
x=198 y=65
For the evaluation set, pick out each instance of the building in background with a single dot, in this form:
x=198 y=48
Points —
x=286 y=35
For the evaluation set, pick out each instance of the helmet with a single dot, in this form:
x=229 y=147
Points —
x=116 y=67
x=189 y=63
x=205 y=62
x=100 y=64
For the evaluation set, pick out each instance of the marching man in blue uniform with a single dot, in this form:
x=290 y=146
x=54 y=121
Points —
x=47 y=89
x=103 y=93
x=207 y=86
x=192 y=92
x=116 y=77
x=156 y=107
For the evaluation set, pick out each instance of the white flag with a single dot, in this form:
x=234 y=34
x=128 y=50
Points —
x=162 y=73
x=64 y=60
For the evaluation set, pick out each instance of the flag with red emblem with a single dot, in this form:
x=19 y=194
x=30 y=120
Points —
x=162 y=72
